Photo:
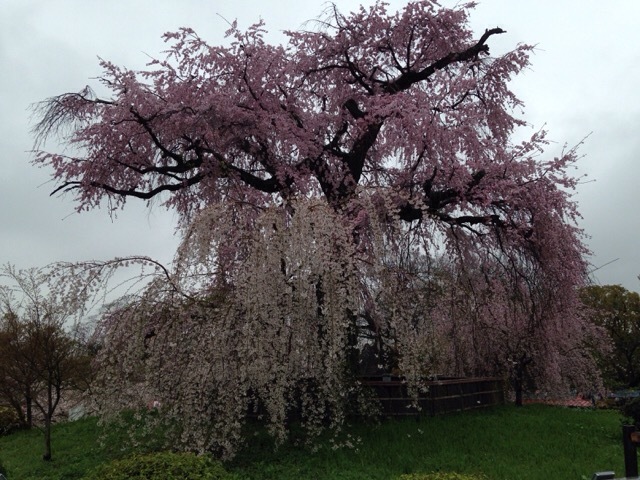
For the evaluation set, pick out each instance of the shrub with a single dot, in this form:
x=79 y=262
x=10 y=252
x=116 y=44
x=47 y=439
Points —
x=631 y=409
x=9 y=420
x=607 y=404
x=161 y=466
x=441 y=476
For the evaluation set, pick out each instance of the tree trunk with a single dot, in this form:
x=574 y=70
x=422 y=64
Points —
x=353 y=354
x=518 y=388
x=47 y=420
x=29 y=407
x=517 y=384
x=17 y=407
x=47 y=439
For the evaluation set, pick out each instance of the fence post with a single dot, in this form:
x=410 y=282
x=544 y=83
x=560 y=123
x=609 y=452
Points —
x=630 y=452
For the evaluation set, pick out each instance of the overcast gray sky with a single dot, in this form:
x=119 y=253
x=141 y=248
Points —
x=583 y=82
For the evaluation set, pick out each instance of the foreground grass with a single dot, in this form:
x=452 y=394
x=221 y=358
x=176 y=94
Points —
x=530 y=443
x=506 y=443
x=75 y=450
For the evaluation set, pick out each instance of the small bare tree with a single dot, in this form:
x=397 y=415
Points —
x=40 y=357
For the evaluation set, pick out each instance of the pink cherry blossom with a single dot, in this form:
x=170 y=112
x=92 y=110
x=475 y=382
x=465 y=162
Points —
x=358 y=185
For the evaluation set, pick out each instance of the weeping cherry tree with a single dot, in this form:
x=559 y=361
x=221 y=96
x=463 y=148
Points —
x=308 y=177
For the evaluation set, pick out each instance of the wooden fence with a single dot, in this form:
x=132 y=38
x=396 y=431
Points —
x=441 y=396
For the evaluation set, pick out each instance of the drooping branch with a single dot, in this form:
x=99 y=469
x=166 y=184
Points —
x=63 y=111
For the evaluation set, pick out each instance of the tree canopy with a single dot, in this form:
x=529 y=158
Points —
x=310 y=178
x=617 y=311
x=409 y=104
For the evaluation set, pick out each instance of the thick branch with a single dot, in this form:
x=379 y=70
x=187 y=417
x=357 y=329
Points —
x=270 y=185
x=435 y=200
x=131 y=192
x=358 y=155
x=409 y=78
x=410 y=213
x=266 y=185
x=356 y=158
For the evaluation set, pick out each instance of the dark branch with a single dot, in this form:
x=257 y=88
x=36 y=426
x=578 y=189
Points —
x=358 y=155
x=266 y=185
x=410 y=213
x=409 y=78
x=131 y=192
x=435 y=200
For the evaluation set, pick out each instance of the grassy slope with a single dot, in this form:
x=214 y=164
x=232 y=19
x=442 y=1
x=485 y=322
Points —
x=75 y=449
x=530 y=443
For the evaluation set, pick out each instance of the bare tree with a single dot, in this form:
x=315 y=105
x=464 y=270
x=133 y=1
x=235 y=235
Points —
x=41 y=358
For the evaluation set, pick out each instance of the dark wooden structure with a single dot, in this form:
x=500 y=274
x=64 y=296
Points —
x=630 y=443
x=441 y=396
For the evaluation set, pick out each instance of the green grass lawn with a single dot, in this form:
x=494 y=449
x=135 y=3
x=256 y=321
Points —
x=530 y=443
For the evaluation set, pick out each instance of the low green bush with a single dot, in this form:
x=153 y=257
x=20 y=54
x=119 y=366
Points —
x=631 y=409
x=9 y=421
x=161 y=466
x=441 y=476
